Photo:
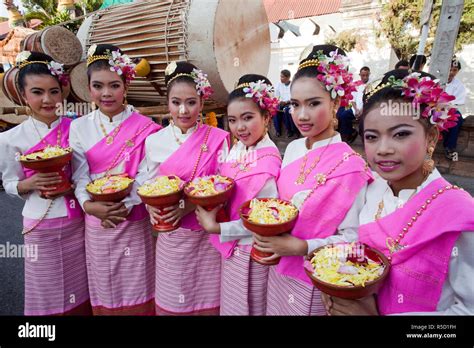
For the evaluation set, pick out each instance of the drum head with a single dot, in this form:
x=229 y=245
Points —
x=240 y=41
x=62 y=45
x=79 y=84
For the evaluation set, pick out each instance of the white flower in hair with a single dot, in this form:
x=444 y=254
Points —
x=91 y=50
x=171 y=68
x=22 y=56
x=56 y=68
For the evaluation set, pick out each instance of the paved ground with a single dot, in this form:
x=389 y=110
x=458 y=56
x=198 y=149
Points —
x=11 y=268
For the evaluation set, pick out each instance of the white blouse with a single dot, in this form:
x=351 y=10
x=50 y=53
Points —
x=347 y=230
x=160 y=146
x=86 y=132
x=235 y=230
x=14 y=142
x=457 y=296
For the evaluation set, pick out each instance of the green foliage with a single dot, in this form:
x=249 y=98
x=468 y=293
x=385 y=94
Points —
x=347 y=40
x=47 y=12
x=400 y=24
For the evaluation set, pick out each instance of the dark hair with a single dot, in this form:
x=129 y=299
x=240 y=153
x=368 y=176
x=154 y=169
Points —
x=312 y=71
x=402 y=62
x=413 y=58
x=239 y=92
x=181 y=68
x=102 y=64
x=390 y=93
x=35 y=69
x=364 y=68
x=286 y=73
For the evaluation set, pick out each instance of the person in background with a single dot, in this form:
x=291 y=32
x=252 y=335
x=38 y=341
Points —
x=456 y=88
x=402 y=64
x=282 y=91
x=347 y=116
x=417 y=63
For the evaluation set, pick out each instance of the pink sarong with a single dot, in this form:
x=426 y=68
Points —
x=188 y=268
x=56 y=278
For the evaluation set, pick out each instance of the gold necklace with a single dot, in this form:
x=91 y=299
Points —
x=110 y=138
x=58 y=141
x=305 y=172
x=244 y=167
x=393 y=245
x=322 y=178
x=174 y=134
x=381 y=204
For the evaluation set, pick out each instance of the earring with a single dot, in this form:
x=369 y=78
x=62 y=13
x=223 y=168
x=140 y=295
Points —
x=125 y=102
x=234 y=140
x=93 y=106
x=28 y=110
x=428 y=164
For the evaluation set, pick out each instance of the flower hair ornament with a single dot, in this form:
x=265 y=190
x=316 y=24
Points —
x=334 y=73
x=120 y=63
x=203 y=86
x=263 y=94
x=56 y=69
x=428 y=92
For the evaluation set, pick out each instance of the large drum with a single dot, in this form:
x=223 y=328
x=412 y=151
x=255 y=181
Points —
x=225 y=38
x=9 y=86
x=79 y=85
x=57 y=42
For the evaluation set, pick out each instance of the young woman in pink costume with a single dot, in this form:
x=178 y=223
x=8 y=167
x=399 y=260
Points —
x=111 y=140
x=254 y=163
x=421 y=222
x=55 y=265
x=188 y=268
x=321 y=175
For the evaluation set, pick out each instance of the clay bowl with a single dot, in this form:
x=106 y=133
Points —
x=162 y=200
x=211 y=201
x=47 y=165
x=114 y=197
x=267 y=230
x=351 y=292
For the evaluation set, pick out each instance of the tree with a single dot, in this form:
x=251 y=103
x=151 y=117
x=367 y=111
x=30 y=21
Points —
x=47 y=12
x=400 y=23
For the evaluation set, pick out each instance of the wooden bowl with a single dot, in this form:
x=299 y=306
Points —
x=212 y=200
x=48 y=165
x=114 y=197
x=267 y=230
x=351 y=292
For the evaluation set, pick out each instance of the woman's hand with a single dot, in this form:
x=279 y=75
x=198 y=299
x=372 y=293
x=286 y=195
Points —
x=283 y=245
x=106 y=210
x=154 y=214
x=207 y=219
x=175 y=213
x=39 y=181
x=340 y=306
x=53 y=196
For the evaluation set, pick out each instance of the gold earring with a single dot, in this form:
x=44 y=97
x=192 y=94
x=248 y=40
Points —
x=93 y=106
x=234 y=140
x=125 y=102
x=428 y=164
x=28 y=110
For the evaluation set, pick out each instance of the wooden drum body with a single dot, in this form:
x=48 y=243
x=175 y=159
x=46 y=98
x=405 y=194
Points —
x=57 y=42
x=224 y=38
